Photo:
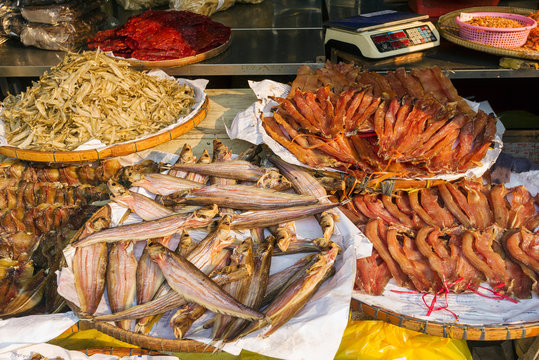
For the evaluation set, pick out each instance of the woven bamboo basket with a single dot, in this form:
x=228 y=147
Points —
x=142 y=64
x=450 y=330
x=144 y=341
x=449 y=29
x=110 y=151
x=151 y=342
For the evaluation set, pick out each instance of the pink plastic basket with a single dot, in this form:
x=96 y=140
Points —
x=499 y=37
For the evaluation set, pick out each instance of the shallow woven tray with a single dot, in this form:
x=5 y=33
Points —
x=450 y=330
x=111 y=151
x=177 y=62
x=449 y=29
x=150 y=342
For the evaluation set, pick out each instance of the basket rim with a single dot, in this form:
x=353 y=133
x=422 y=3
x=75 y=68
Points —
x=444 y=329
x=449 y=30
x=532 y=22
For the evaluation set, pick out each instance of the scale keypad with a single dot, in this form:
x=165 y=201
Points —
x=399 y=39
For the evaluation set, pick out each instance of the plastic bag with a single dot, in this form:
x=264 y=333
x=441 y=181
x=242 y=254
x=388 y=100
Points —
x=66 y=36
x=379 y=340
x=140 y=4
x=57 y=13
x=11 y=21
x=203 y=7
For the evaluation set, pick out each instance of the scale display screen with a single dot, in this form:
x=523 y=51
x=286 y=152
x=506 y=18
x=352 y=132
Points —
x=398 y=39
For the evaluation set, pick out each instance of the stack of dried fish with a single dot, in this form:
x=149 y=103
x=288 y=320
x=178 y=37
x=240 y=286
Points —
x=224 y=272
x=465 y=230
x=403 y=124
x=92 y=96
x=41 y=208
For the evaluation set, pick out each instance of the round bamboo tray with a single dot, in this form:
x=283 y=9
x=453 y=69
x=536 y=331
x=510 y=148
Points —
x=150 y=342
x=449 y=29
x=110 y=151
x=450 y=330
x=143 y=64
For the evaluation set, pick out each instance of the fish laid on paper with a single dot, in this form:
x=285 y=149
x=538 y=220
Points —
x=194 y=285
x=242 y=254
x=90 y=263
x=140 y=204
x=162 y=184
x=296 y=295
x=257 y=285
x=265 y=218
x=280 y=280
x=152 y=229
x=233 y=169
x=121 y=278
x=168 y=299
x=244 y=197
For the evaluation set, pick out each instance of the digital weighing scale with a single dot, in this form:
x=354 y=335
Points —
x=382 y=34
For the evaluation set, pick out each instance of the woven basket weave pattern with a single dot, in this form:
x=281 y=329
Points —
x=500 y=37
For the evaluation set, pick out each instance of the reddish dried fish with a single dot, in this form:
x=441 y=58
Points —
x=410 y=260
x=477 y=247
x=372 y=274
x=523 y=246
x=375 y=231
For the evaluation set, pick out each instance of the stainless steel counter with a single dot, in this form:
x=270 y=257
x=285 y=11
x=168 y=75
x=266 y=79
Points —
x=275 y=37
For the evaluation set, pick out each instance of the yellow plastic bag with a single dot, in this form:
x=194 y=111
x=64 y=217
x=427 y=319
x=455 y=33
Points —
x=378 y=340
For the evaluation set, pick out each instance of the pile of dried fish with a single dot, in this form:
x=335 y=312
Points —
x=459 y=233
x=224 y=272
x=92 y=96
x=42 y=206
x=404 y=125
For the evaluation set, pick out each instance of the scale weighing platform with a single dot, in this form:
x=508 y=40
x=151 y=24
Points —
x=381 y=34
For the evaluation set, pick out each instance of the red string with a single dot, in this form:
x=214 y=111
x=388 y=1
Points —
x=496 y=294
x=446 y=289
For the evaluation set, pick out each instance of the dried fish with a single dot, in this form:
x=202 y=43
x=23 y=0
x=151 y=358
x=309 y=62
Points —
x=194 y=285
x=234 y=169
x=162 y=184
x=140 y=204
x=265 y=218
x=121 y=279
x=296 y=295
x=151 y=229
x=58 y=112
x=90 y=263
x=243 y=197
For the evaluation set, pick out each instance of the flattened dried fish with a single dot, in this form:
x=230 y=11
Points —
x=151 y=229
x=187 y=280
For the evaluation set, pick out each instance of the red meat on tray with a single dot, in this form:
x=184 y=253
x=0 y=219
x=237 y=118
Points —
x=162 y=35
